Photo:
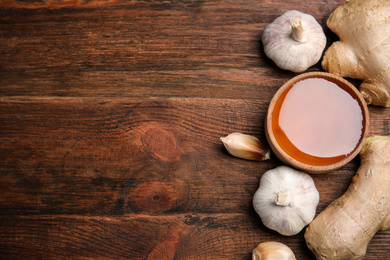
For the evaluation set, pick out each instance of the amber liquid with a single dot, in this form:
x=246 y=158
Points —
x=317 y=122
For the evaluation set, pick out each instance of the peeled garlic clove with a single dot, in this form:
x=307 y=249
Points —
x=272 y=251
x=286 y=200
x=246 y=147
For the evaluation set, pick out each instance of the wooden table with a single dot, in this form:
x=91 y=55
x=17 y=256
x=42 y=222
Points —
x=110 y=118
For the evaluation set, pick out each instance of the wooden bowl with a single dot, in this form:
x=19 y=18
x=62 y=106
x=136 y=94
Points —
x=291 y=158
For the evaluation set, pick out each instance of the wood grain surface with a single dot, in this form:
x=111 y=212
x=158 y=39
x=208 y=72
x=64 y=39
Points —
x=110 y=118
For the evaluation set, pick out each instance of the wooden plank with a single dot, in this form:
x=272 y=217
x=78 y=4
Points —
x=73 y=156
x=200 y=236
x=57 y=153
x=141 y=48
x=133 y=237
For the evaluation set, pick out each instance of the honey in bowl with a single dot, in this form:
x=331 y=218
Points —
x=317 y=121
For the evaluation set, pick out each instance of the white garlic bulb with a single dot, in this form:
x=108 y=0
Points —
x=246 y=147
x=286 y=200
x=272 y=251
x=294 y=41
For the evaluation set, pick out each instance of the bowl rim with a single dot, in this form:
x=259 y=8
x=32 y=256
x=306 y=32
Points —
x=286 y=158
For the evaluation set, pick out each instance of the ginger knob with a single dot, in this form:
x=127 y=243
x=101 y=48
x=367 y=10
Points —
x=344 y=229
x=363 y=51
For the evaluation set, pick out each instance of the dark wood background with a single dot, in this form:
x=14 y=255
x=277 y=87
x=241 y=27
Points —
x=110 y=118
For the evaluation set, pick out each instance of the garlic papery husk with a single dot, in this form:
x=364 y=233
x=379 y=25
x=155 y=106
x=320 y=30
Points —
x=246 y=147
x=294 y=41
x=272 y=251
x=286 y=200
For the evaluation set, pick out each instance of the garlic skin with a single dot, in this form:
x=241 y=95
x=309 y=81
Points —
x=294 y=41
x=272 y=251
x=286 y=200
x=246 y=147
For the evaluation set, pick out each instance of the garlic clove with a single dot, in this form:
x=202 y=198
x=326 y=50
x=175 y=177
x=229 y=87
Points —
x=286 y=200
x=246 y=147
x=272 y=251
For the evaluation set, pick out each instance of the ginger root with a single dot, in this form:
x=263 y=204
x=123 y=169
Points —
x=344 y=229
x=363 y=51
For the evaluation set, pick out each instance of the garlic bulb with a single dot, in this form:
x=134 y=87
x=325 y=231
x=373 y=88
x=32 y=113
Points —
x=246 y=147
x=294 y=41
x=272 y=251
x=286 y=200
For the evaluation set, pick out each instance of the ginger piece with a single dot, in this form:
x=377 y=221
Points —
x=344 y=229
x=363 y=51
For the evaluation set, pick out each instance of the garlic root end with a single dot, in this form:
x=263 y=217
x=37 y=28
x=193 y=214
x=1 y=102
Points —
x=297 y=30
x=283 y=199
